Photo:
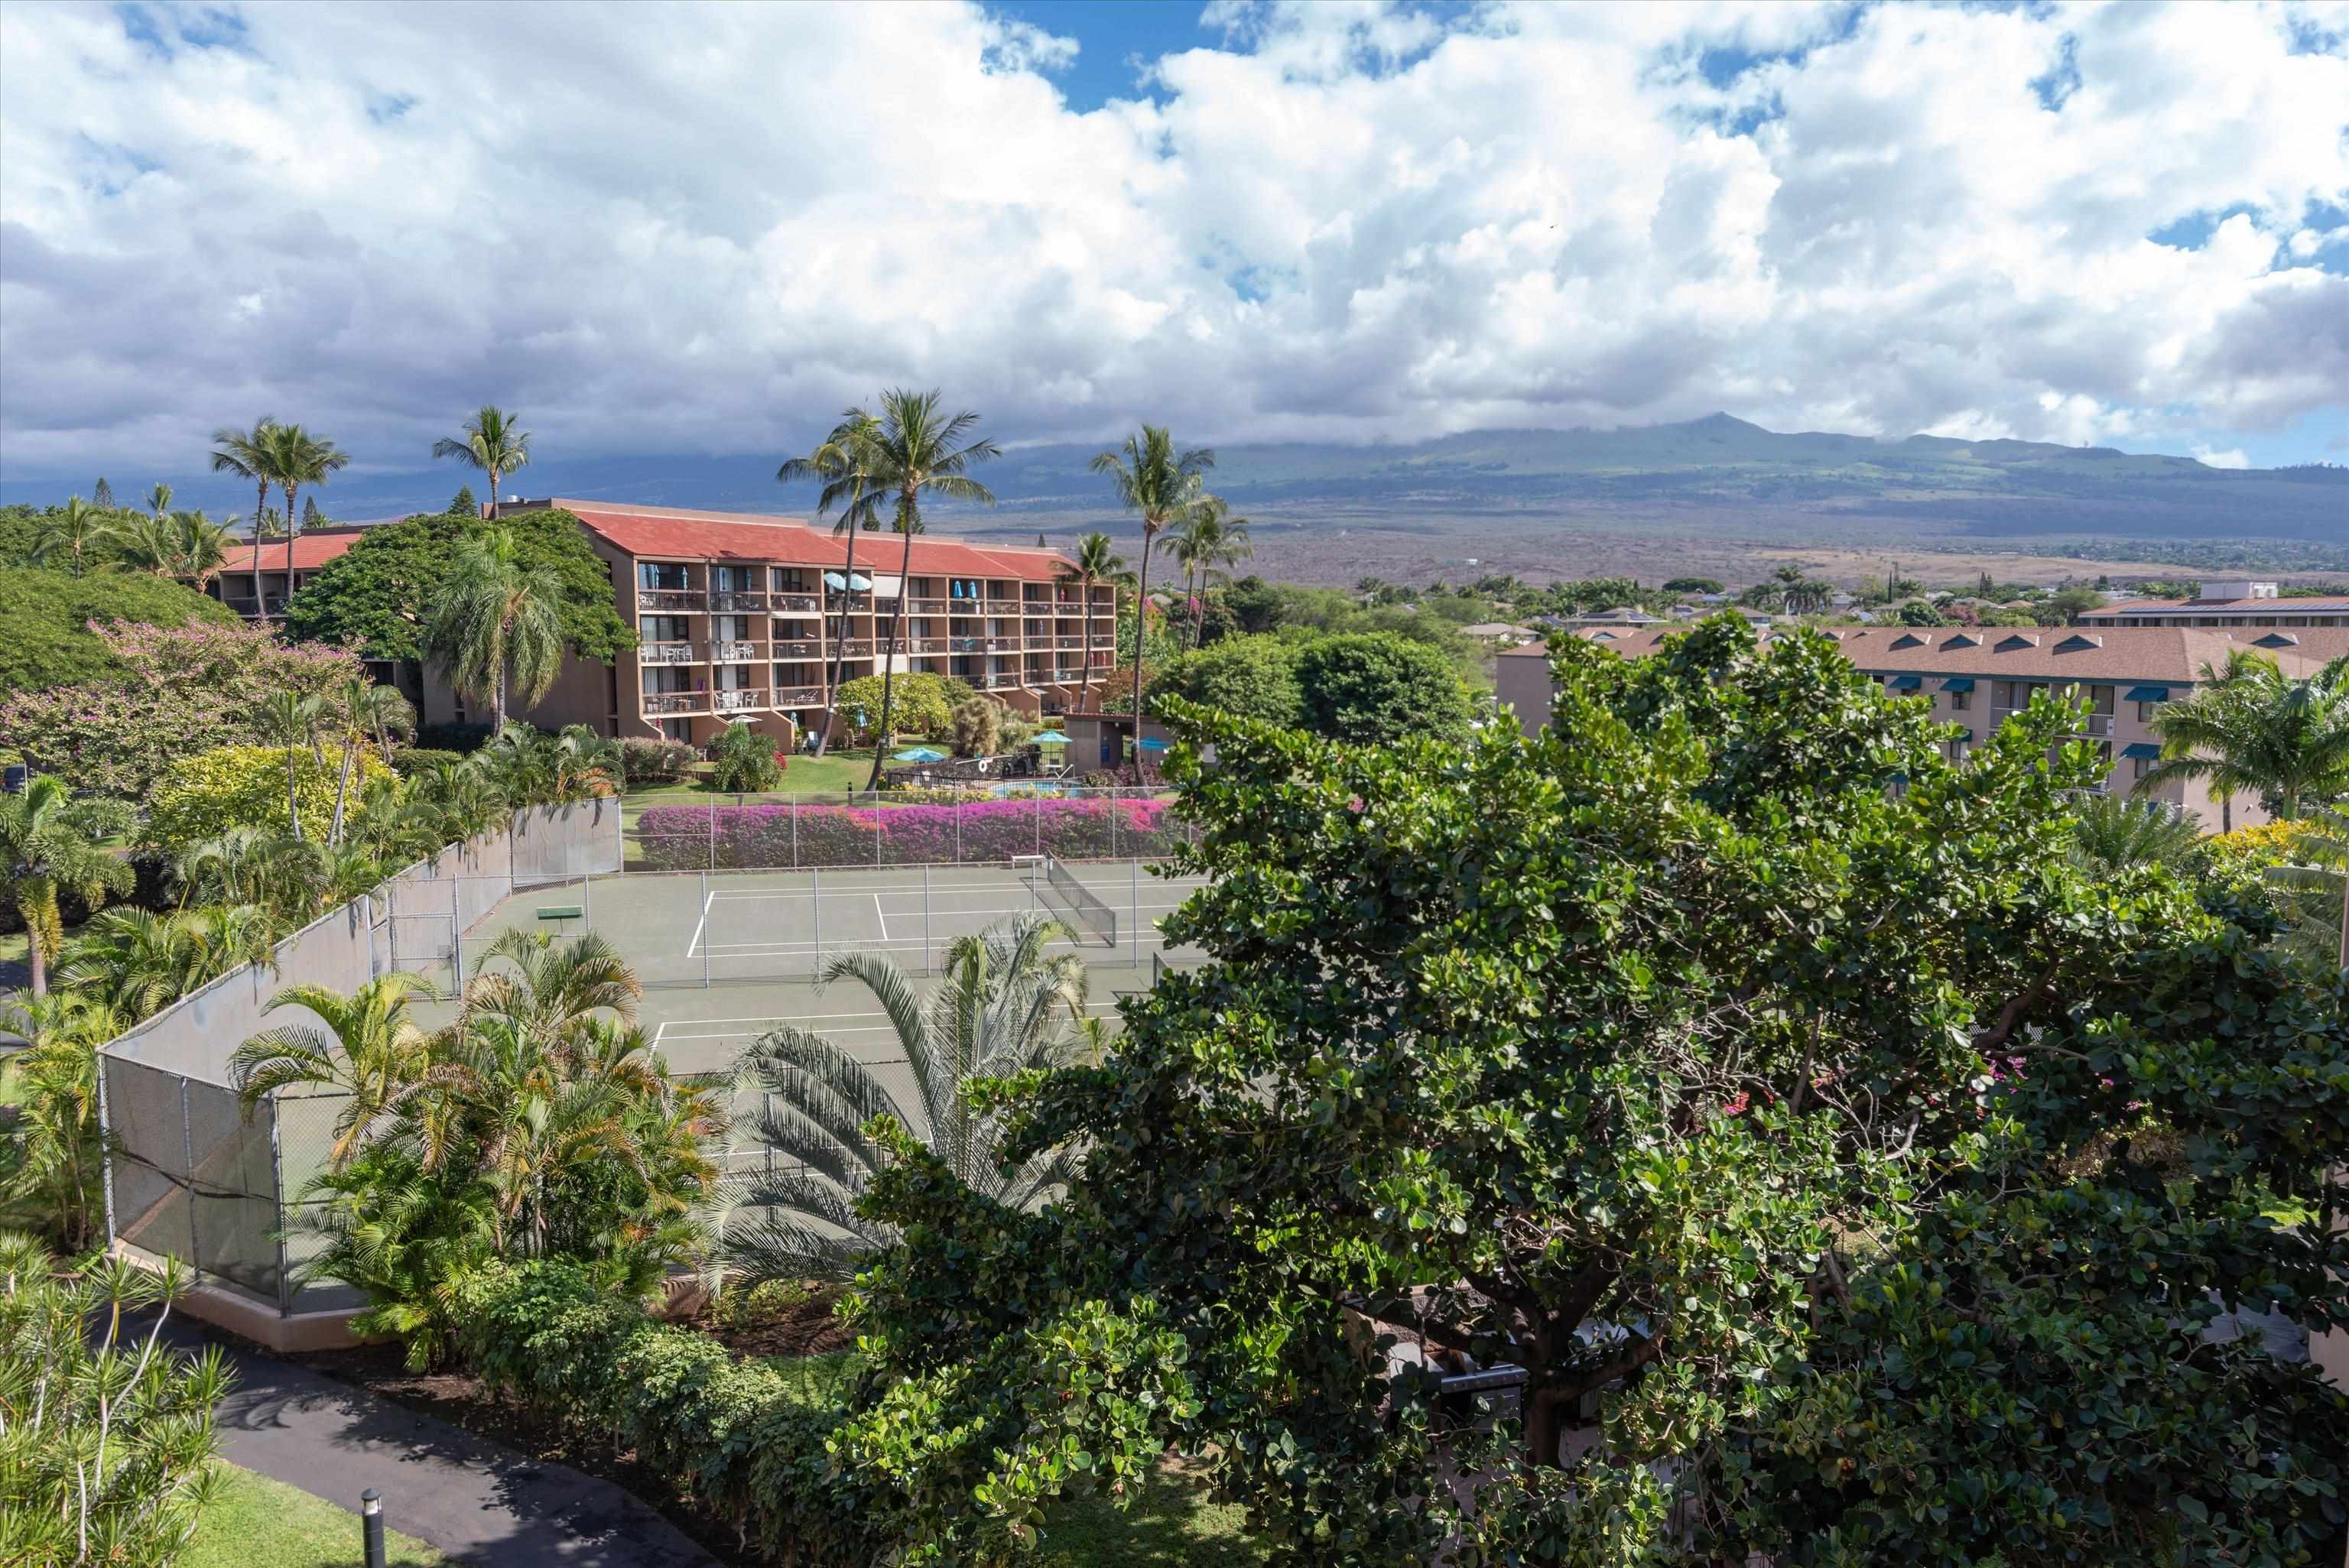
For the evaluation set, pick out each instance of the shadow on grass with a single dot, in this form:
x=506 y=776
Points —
x=1173 y=1524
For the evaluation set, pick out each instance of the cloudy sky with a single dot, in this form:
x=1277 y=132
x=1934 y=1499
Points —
x=702 y=229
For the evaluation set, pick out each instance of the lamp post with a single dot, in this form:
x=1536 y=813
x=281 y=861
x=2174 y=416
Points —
x=371 y=1525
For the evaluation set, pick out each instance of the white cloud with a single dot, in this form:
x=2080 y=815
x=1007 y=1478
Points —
x=2231 y=458
x=707 y=228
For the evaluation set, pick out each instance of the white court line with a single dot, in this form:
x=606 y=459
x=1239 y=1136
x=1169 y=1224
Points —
x=1103 y=1007
x=883 y=916
x=698 y=925
x=896 y=944
x=993 y=884
x=955 y=908
x=820 y=1017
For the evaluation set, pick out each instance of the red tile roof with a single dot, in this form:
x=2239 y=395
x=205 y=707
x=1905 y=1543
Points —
x=2170 y=654
x=672 y=533
x=311 y=551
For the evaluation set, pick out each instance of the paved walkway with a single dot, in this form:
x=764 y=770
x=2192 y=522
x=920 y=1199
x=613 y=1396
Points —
x=472 y=1499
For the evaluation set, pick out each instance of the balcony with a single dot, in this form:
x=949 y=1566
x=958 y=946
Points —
x=737 y=600
x=667 y=654
x=995 y=680
x=736 y=652
x=926 y=645
x=794 y=604
x=799 y=696
x=676 y=702
x=2098 y=726
x=967 y=645
x=739 y=701
x=1068 y=641
x=927 y=606
x=855 y=648
x=1002 y=645
x=799 y=649
x=669 y=599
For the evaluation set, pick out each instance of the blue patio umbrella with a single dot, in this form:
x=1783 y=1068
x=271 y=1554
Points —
x=919 y=754
x=1152 y=743
x=1050 y=737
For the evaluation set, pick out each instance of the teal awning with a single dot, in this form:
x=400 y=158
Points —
x=1906 y=683
x=2140 y=752
x=1959 y=683
x=2147 y=693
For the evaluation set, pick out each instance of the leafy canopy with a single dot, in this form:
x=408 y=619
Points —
x=1854 y=1175
x=49 y=642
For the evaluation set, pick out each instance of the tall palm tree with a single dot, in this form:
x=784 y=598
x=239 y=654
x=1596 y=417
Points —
x=365 y=709
x=369 y=1049
x=249 y=455
x=1204 y=541
x=1160 y=483
x=49 y=844
x=844 y=463
x=498 y=621
x=2250 y=729
x=1007 y=1004
x=159 y=500
x=68 y=533
x=199 y=548
x=298 y=457
x=491 y=444
x=294 y=721
x=909 y=450
x=1097 y=563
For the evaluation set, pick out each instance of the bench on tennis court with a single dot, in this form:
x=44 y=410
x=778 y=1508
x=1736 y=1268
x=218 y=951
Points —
x=561 y=912
x=1029 y=862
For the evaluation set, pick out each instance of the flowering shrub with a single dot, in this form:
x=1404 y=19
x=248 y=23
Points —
x=687 y=838
x=182 y=690
x=244 y=787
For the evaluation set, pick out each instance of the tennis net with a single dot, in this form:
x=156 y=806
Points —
x=1079 y=902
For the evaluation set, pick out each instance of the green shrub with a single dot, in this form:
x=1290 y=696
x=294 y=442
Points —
x=977 y=727
x=245 y=787
x=745 y=760
x=656 y=761
x=763 y=1303
x=47 y=614
x=408 y=762
x=1374 y=688
x=449 y=735
x=922 y=704
x=1247 y=677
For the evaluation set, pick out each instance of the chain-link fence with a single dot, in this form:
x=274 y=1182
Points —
x=193 y=1175
x=948 y=826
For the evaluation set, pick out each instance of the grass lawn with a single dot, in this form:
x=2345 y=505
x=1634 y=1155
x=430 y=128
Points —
x=258 y=1520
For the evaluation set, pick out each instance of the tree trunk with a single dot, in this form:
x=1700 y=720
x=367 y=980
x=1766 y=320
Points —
x=291 y=525
x=498 y=700
x=490 y=512
x=34 y=955
x=293 y=800
x=260 y=505
x=342 y=790
x=839 y=666
x=1085 y=667
x=888 y=660
x=1141 y=633
x=1544 y=1428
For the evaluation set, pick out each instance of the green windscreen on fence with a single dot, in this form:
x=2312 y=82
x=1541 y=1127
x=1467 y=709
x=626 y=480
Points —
x=1079 y=902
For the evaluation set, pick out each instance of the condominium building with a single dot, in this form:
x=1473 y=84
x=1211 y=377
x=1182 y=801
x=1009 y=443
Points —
x=1977 y=678
x=2239 y=602
x=312 y=549
x=741 y=617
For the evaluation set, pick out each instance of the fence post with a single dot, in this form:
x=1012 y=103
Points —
x=188 y=1154
x=105 y=1150
x=1134 y=904
x=456 y=937
x=876 y=829
x=277 y=1204
x=705 y=932
x=815 y=916
x=925 y=914
x=795 y=827
x=587 y=902
x=710 y=839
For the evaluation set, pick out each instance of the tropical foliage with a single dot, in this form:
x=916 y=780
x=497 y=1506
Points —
x=920 y=703
x=2250 y=730
x=51 y=1158
x=52 y=643
x=107 y=1437
x=233 y=787
x=497 y=624
x=1161 y=486
x=1097 y=565
x=844 y=463
x=1006 y=1005
x=490 y=445
x=1377 y=688
x=744 y=760
x=2112 y=833
x=50 y=845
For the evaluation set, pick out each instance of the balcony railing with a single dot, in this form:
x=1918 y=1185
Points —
x=967 y=645
x=926 y=645
x=667 y=654
x=739 y=700
x=668 y=598
x=1068 y=641
x=799 y=696
x=996 y=679
x=736 y=652
x=676 y=702
x=927 y=606
x=802 y=648
x=1002 y=645
x=738 y=599
x=855 y=648
x=801 y=604
x=2098 y=724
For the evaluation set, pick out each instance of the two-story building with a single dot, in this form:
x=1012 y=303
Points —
x=2238 y=601
x=311 y=549
x=742 y=616
x=1976 y=677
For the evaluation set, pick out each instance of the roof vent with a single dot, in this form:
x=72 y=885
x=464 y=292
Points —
x=1963 y=641
x=2075 y=642
x=2017 y=640
x=2276 y=640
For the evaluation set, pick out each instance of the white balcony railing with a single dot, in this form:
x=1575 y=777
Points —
x=737 y=701
x=676 y=702
x=735 y=652
x=669 y=599
x=667 y=654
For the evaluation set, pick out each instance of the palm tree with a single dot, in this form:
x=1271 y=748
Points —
x=843 y=462
x=57 y=1158
x=1160 y=483
x=366 y=709
x=199 y=548
x=460 y=802
x=249 y=865
x=249 y=455
x=297 y=458
x=368 y=1050
x=294 y=721
x=2111 y=833
x=535 y=769
x=69 y=532
x=498 y=620
x=911 y=448
x=137 y=963
x=159 y=500
x=48 y=845
x=1097 y=563
x=1204 y=541
x=1005 y=1005
x=491 y=444
x=2313 y=892
x=2248 y=728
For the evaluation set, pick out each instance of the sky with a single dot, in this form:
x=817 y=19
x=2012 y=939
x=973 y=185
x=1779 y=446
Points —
x=688 y=229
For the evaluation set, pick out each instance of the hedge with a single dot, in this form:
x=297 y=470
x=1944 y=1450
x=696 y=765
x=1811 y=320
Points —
x=740 y=1438
x=778 y=835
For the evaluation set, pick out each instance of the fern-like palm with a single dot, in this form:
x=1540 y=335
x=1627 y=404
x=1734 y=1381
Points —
x=2313 y=892
x=1005 y=1005
x=1160 y=484
x=50 y=844
x=2112 y=833
x=2250 y=729
x=554 y=770
x=54 y=1162
x=365 y=1047
x=137 y=963
x=497 y=625
x=843 y=463
x=490 y=444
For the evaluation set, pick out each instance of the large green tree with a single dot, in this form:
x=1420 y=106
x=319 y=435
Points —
x=496 y=624
x=1161 y=485
x=2250 y=729
x=1853 y=1178
x=1377 y=686
x=49 y=643
x=842 y=463
x=377 y=595
x=1248 y=677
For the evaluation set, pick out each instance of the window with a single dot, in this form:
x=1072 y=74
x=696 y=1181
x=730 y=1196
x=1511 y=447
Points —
x=732 y=628
x=733 y=579
x=666 y=575
x=665 y=629
x=2146 y=710
x=677 y=729
x=2139 y=767
x=1960 y=700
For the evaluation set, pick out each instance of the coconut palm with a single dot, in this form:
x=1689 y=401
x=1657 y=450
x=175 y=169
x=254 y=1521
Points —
x=297 y=457
x=843 y=462
x=2111 y=833
x=50 y=845
x=911 y=450
x=365 y=709
x=1097 y=563
x=491 y=444
x=497 y=624
x=68 y=533
x=199 y=548
x=1005 y=1005
x=2250 y=729
x=366 y=1048
x=249 y=455
x=2313 y=891
x=159 y=500
x=55 y=1157
x=1159 y=484
x=294 y=721
x=1205 y=540
x=137 y=963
